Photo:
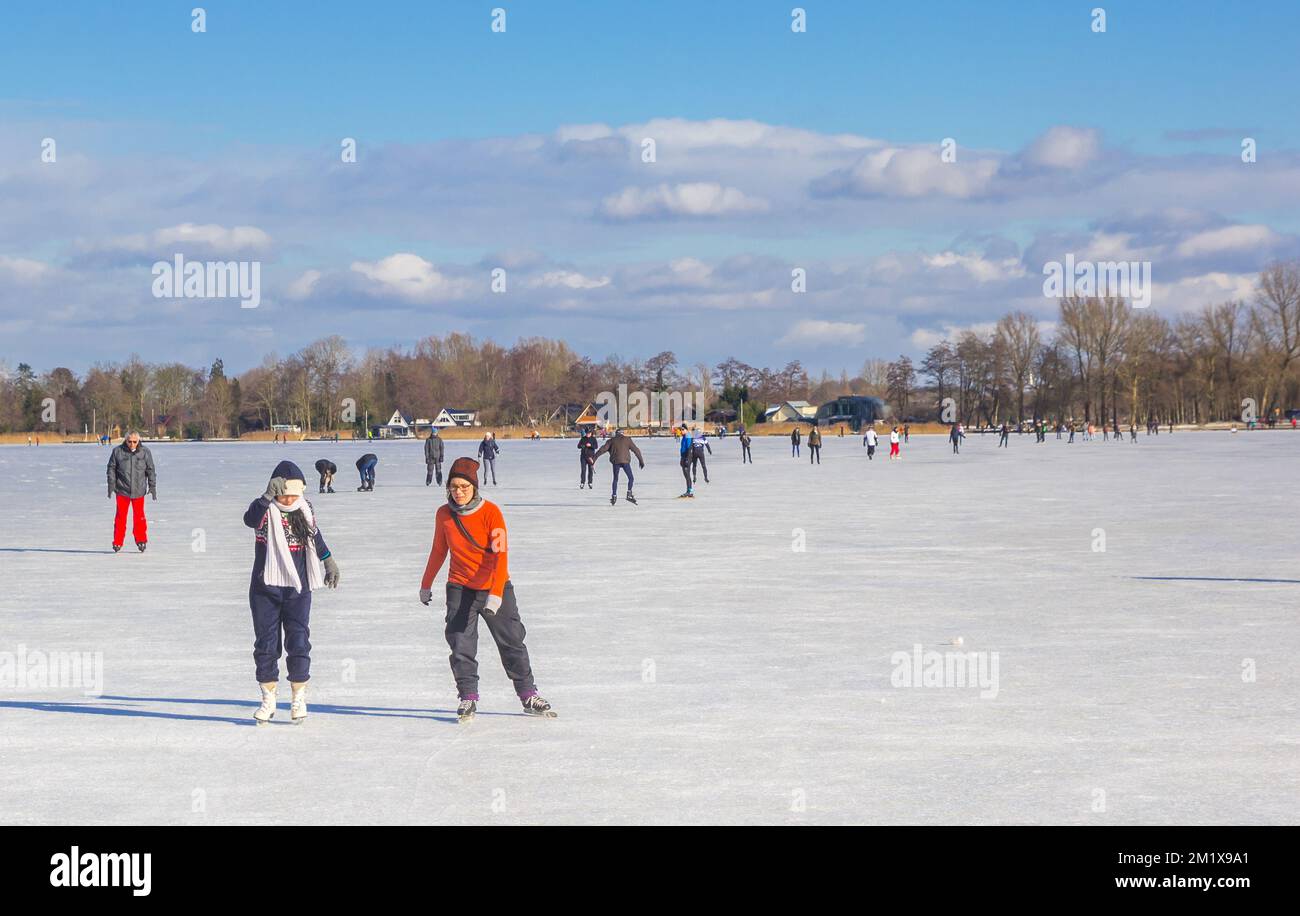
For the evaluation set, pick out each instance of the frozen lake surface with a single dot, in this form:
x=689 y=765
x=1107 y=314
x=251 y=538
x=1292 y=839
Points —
x=705 y=669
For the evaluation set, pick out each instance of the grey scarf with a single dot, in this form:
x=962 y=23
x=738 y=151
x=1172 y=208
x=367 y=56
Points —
x=468 y=507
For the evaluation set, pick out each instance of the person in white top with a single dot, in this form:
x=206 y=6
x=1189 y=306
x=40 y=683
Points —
x=869 y=440
x=893 y=444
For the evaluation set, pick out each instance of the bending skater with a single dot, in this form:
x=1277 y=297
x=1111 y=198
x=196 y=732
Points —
x=621 y=448
x=131 y=474
x=433 y=452
x=366 y=468
x=326 y=469
x=488 y=451
x=472 y=531
x=288 y=552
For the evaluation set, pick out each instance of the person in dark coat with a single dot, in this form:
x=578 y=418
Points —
x=814 y=445
x=366 y=468
x=487 y=452
x=621 y=448
x=587 y=448
x=794 y=442
x=288 y=555
x=131 y=474
x=745 y=454
x=326 y=469
x=433 y=458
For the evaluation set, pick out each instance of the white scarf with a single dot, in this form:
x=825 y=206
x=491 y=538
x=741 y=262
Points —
x=279 y=569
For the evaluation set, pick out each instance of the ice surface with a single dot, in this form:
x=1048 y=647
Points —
x=770 y=696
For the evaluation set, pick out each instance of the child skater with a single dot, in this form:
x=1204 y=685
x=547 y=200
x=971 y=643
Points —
x=473 y=531
x=287 y=556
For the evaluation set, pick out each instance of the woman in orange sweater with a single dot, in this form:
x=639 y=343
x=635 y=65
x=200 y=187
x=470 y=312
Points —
x=473 y=531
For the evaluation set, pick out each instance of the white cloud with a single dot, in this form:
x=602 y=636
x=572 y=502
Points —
x=207 y=238
x=1064 y=147
x=698 y=198
x=302 y=287
x=982 y=269
x=411 y=277
x=24 y=270
x=1229 y=238
x=819 y=333
x=911 y=172
x=569 y=279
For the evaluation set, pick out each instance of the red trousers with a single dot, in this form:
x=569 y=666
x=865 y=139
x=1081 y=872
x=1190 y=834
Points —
x=893 y=450
x=139 y=526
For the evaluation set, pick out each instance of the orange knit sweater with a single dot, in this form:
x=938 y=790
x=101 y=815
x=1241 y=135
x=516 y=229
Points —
x=470 y=566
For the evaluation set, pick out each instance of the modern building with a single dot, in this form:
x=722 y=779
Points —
x=855 y=410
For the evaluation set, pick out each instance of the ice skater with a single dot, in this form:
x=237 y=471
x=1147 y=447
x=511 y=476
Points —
x=955 y=435
x=685 y=456
x=472 y=531
x=893 y=444
x=794 y=443
x=488 y=451
x=699 y=446
x=621 y=448
x=433 y=452
x=288 y=553
x=746 y=456
x=814 y=445
x=870 y=440
x=366 y=468
x=131 y=474
x=588 y=445
x=1004 y=437
x=326 y=469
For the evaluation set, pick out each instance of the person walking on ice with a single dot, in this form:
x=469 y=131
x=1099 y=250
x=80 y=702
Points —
x=794 y=443
x=587 y=447
x=621 y=448
x=433 y=457
x=366 y=468
x=893 y=444
x=699 y=444
x=869 y=440
x=288 y=553
x=746 y=456
x=488 y=451
x=472 y=531
x=814 y=445
x=131 y=474
x=955 y=435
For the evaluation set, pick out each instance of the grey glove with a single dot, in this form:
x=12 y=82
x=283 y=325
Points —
x=154 y=494
x=110 y=492
x=426 y=595
x=277 y=486
x=331 y=572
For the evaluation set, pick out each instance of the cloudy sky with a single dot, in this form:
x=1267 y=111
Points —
x=525 y=151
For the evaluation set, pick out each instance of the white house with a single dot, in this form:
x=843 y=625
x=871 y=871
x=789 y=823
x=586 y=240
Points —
x=452 y=416
x=788 y=411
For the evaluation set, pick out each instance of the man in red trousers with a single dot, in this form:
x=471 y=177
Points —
x=130 y=476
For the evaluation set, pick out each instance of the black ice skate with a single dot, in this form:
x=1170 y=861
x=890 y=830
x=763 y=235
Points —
x=536 y=706
x=141 y=545
x=631 y=499
x=465 y=711
x=116 y=548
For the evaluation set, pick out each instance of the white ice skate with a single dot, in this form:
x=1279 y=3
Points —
x=267 y=709
x=298 y=708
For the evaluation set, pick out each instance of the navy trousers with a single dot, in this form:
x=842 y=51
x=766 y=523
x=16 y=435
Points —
x=464 y=608
x=281 y=621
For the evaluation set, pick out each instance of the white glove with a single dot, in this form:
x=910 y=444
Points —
x=492 y=604
x=426 y=595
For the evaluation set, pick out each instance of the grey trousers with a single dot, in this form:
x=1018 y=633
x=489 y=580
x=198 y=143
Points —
x=464 y=608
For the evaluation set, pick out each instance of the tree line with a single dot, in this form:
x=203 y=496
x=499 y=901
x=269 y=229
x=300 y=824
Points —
x=1102 y=360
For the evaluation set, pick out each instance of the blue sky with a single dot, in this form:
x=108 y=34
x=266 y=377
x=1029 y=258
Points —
x=477 y=147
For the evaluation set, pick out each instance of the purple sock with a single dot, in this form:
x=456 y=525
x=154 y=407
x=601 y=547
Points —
x=472 y=696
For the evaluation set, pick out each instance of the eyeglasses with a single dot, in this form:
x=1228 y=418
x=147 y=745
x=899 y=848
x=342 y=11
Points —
x=461 y=486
